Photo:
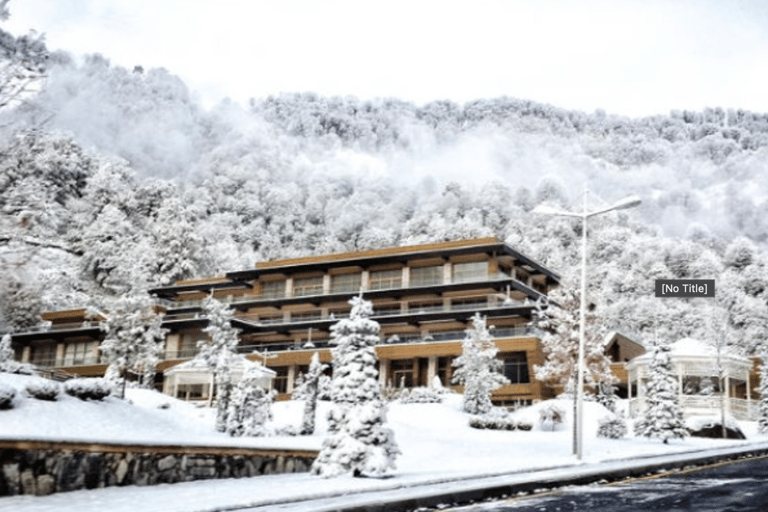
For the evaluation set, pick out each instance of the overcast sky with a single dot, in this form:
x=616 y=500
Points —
x=631 y=57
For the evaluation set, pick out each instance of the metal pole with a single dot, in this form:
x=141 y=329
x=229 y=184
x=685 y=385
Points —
x=579 y=423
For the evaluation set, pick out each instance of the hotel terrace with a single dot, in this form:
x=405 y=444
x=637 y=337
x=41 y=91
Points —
x=423 y=296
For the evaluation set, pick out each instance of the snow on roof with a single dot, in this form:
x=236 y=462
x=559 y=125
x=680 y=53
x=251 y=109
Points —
x=241 y=365
x=692 y=347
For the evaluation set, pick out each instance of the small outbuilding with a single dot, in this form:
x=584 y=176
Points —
x=193 y=381
x=707 y=381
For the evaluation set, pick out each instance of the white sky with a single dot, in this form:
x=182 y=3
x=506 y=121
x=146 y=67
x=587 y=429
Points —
x=631 y=57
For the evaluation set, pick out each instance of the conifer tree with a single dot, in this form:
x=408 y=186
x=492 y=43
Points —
x=358 y=441
x=309 y=391
x=663 y=416
x=218 y=353
x=250 y=407
x=477 y=368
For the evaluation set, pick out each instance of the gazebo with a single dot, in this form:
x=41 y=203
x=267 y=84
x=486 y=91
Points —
x=700 y=388
x=192 y=381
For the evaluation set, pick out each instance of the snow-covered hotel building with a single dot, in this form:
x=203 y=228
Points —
x=423 y=296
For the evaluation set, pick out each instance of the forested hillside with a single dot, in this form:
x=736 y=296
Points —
x=114 y=179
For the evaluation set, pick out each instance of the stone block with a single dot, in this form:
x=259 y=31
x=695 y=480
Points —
x=12 y=477
x=28 y=484
x=46 y=485
x=166 y=463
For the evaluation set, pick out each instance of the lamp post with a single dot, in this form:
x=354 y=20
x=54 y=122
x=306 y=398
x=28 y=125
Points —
x=627 y=202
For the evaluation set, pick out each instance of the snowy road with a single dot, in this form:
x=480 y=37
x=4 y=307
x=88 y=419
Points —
x=732 y=486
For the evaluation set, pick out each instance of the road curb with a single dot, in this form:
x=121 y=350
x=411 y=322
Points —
x=435 y=496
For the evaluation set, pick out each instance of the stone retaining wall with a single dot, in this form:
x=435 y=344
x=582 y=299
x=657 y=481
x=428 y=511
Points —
x=43 y=467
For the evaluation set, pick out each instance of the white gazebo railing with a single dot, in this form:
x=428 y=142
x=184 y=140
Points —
x=707 y=381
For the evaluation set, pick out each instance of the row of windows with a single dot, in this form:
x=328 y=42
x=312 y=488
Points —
x=378 y=280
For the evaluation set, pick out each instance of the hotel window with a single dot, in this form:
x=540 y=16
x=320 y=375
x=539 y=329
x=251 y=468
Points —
x=304 y=286
x=393 y=308
x=465 y=272
x=516 y=368
x=273 y=289
x=342 y=283
x=80 y=353
x=426 y=276
x=306 y=316
x=280 y=383
x=402 y=372
x=444 y=370
x=469 y=303
x=386 y=279
x=43 y=356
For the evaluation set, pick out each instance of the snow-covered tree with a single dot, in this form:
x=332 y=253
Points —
x=663 y=415
x=23 y=62
x=561 y=320
x=477 y=368
x=358 y=440
x=6 y=354
x=134 y=339
x=308 y=390
x=762 y=422
x=250 y=407
x=20 y=305
x=219 y=353
x=179 y=251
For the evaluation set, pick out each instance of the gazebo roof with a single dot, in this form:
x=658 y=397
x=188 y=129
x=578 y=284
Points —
x=241 y=365
x=697 y=358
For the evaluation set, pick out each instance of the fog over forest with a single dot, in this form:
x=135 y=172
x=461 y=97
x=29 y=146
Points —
x=115 y=179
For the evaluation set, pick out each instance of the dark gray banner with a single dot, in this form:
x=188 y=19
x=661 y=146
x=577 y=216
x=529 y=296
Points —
x=687 y=288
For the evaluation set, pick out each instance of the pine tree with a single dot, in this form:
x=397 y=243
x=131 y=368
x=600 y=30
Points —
x=133 y=341
x=762 y=422
x=218 y=353
x=477 y=368
x=663 y=416
x=309 y=390
x=250 y=407
x=357 y=442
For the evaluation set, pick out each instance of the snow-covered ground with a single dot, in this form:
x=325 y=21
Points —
x=436 y=441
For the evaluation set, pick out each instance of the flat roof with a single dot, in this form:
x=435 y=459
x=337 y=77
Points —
x=401 y=254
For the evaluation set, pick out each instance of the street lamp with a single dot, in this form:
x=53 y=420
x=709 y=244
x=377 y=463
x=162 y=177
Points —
x=627 y=202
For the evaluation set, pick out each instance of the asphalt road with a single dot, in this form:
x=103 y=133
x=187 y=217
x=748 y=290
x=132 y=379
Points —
x=740 y=486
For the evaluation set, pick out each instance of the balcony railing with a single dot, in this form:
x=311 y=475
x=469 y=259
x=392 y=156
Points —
x=314 y=344
x=413 y=310
x=318 y=290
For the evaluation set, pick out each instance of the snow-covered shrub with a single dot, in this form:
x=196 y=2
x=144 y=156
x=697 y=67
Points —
x=6 y=396
x=421 y=396
x=88 y=389
x=44 y=390
x=493 y=421
x=524 y=425
x=287 y=430
x=612 y=427
x=250 y=407
x=550 y=415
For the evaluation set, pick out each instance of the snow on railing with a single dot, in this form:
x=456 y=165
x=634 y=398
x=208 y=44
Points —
x=316 y=290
